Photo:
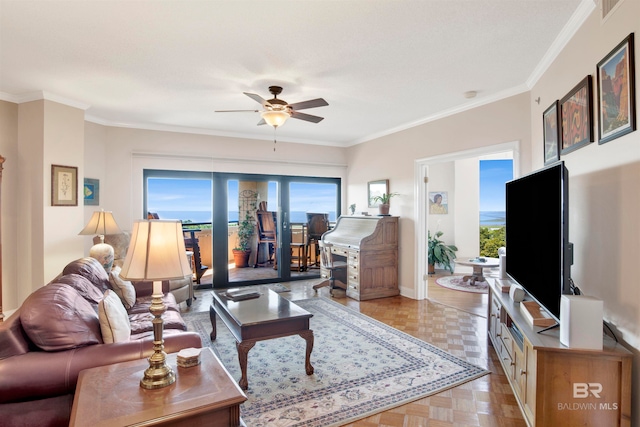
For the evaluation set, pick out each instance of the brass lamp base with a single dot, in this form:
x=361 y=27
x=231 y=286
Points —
x=158 y=374
x=157 y=377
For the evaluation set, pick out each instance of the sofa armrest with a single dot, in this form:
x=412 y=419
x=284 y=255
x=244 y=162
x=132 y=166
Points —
x=39 y=374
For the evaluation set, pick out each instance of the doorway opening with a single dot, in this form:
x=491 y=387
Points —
x=461 y=223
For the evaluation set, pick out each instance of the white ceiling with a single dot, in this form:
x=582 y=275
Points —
x=382 y=65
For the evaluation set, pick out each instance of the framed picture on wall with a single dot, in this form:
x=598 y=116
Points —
x=576 y=113
x=616 y=92
x=64 y=185
x=551 y=129
x=376 y=188
x=91 y=192
x=438 y=203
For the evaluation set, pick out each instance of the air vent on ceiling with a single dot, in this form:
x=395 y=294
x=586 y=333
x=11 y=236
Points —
x=608 y=7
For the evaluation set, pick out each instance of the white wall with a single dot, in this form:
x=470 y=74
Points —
x=130 y=151
x=442 y=179
x=394 y=157
x=9 y=194
x=467 y=215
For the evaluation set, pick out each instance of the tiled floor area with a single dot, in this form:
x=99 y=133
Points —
x=487 y=401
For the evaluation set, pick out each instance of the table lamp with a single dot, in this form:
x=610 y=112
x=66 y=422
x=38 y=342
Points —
x=101 y=223
x=156 y=253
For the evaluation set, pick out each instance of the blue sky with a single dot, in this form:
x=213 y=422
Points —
x=493 y=175
x=166 y=194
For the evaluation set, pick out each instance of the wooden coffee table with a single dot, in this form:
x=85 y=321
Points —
x=202 y=395
x=264 y=318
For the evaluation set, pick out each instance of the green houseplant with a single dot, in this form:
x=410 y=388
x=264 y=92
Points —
x=384 y=200
x=241 y=252
x=440 y=253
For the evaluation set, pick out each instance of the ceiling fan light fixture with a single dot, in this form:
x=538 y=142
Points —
x=275 y=118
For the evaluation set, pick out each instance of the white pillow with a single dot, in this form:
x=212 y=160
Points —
x=114 y=320
x=123 y=288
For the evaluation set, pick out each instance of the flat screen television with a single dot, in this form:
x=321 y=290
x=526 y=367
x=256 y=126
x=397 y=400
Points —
x=539 y=255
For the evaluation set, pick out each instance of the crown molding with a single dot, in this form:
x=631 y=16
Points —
x=43 y=95
x=578 y=18
x=446 y=113
x=211 y=132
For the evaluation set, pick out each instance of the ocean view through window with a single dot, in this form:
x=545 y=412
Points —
x=494 y=174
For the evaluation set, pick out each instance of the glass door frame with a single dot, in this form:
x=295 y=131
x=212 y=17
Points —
x=220 y=220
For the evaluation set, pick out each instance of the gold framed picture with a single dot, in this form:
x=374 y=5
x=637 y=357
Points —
x=64 y=185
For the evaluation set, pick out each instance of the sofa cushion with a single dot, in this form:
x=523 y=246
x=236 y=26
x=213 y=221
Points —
x=114 y=321
x=56 y=317
x=141 y=322
x=90 y=269
x=85 y=288
x=123 y=288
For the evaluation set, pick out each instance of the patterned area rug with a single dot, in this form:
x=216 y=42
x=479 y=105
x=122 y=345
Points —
x=362 y=367
x=456 y=283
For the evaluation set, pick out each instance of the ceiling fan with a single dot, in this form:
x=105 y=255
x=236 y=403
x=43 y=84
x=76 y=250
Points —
x=277 y=111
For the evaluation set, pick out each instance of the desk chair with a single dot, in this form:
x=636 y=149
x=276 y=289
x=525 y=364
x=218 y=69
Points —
x=267 y=235
x=328 y=268
x=317 y=225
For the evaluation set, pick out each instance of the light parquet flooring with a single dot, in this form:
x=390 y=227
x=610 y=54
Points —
x=451 y=320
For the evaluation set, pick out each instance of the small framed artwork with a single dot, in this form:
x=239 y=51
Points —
x=576 y=114
x=551 y=129
x=64 y=185
x=438 y=203
x=616 y=92
x=91 y=192
x=376 y=189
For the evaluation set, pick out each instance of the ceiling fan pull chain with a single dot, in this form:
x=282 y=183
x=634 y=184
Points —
x=274 y=139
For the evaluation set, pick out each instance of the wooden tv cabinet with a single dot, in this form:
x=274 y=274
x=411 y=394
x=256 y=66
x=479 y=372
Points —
x=553 y=384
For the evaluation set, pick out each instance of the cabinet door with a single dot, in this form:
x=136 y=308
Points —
x=494 y=320
x=528 y=381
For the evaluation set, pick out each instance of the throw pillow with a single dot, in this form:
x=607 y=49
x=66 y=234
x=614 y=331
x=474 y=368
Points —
x=114 y=321
x=56 y=317
x=123 y=288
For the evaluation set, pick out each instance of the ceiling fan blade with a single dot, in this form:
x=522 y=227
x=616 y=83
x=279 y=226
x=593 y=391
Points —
x=313 y=103
x=237 y=111
x=257 y=98
x=262 y=122
x=306 y=117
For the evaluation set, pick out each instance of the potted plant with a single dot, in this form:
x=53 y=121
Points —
x=439 y=253
x=241 y=252
x=383 y=207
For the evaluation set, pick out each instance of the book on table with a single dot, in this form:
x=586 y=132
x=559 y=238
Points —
x=239 y=294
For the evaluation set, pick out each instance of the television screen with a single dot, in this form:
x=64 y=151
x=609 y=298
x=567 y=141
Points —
x=537 y=235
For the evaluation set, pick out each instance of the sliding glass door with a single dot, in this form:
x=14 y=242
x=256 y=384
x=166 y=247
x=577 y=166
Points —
x=250 y=228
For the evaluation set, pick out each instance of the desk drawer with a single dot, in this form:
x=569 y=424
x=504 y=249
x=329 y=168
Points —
x=340 y=251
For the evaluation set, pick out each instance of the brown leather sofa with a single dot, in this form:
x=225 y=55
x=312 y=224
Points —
x=56 y=333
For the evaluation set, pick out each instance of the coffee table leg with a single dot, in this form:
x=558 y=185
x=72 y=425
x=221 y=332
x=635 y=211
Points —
x=243 y=354
x=214 y=331
x=308 y=336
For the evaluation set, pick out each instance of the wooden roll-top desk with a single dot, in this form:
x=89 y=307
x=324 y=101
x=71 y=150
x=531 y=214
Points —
x=369 y=245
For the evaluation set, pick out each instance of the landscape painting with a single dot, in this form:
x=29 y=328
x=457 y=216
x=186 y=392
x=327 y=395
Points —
x=616 y=92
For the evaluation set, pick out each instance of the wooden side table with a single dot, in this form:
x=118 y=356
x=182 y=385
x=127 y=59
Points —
x=202 y=395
